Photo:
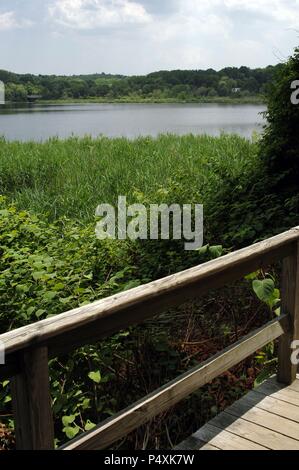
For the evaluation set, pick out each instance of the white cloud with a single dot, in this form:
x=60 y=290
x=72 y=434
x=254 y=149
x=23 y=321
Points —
x=217 y=33
x=92 y=14
x=9 y=21
x=277 y=10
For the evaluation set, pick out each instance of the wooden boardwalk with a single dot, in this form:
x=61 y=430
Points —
x=267 y=418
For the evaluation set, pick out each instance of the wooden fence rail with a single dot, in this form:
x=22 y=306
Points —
x=28 y=349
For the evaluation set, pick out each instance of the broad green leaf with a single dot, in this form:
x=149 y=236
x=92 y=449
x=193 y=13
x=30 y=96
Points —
x=30 y=311
x=264 y=289
x=38 y=275
x=4 y=213
x=66 y=420
x=40 y=312
x=22 y=288
x=202 y=250
x=48 y=296
x=95 y=376
x=277 y=312
x=71 y=431
x=216 y=250
x=89 y=425
x=86 y=403
x=59 y=286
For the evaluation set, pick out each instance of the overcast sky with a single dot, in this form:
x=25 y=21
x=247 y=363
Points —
x=141 y=36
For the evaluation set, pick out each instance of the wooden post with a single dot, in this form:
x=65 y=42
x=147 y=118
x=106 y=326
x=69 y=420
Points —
x=290 y=305
x=31 y=402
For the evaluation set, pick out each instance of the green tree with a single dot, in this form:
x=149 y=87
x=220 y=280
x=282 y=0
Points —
x=280 y=144
x=16 y=92
x=102 y=89
x=225 y=86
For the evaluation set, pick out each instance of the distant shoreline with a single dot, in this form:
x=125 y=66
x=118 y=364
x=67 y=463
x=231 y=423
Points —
x=216 y=100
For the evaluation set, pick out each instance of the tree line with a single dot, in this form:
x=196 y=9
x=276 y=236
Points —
x=230 y=82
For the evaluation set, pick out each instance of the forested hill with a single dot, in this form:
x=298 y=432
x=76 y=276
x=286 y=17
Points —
x=229 y=82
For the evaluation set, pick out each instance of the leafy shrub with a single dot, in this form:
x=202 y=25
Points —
x=47 y=268
x=280 y=143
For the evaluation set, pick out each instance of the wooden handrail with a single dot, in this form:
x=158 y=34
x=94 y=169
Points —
x=28 y=348
x=66 y=331
x=162 y=399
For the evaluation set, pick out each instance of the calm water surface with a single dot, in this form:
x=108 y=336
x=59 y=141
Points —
x=39 y=122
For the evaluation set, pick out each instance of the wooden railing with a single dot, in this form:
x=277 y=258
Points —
x=28 y=349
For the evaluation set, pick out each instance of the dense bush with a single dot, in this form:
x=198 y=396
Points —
x=46 y=268
x=280 y=143
x=266 y=202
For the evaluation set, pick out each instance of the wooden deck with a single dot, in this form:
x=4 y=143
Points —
x=267 y=418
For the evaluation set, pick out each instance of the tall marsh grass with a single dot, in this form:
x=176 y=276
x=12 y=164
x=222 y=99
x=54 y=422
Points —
x=71 y=177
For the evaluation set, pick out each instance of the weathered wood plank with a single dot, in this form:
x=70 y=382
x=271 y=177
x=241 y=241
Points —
x=273 y=405
x=193 y=443
x=294 y=385
x=255 y=420
x=31 y=402
x=287 y=395
x=272 y=385
x=279 y=392
x=220 y=438
x=289 y=304
x=162 y=399
x=208 y=447
x=92 y=322
x=278 y=386
x=255 y=433
x=243 y=409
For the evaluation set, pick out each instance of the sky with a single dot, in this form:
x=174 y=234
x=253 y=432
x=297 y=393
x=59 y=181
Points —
x=140 y=36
